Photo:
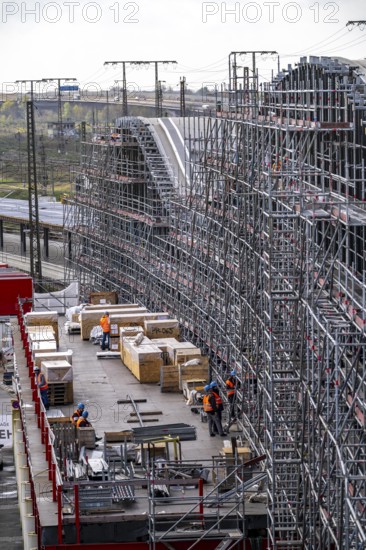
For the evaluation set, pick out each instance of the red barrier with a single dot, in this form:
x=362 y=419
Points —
x=77 y=513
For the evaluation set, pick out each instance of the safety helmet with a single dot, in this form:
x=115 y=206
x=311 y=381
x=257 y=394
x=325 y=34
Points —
x=106 y=313
x=85 y=414
x=233 y=373
x=213 y=384
x=81 y=406
x=206 y=388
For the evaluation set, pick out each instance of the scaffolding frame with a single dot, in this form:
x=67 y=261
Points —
x=261 y=258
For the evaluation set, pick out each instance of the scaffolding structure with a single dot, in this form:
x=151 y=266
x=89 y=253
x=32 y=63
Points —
x=262 y=259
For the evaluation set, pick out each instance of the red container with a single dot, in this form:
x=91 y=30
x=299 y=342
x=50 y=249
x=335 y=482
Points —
x=12 y=287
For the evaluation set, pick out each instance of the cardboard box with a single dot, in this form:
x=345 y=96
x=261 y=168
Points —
x=57 y=371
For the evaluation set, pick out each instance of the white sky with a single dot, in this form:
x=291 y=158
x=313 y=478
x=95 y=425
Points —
x=75 y=38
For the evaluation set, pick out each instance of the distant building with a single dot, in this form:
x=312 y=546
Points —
x=66 y=128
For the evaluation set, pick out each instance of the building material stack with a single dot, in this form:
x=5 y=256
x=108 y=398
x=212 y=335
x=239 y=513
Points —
x=59 y=377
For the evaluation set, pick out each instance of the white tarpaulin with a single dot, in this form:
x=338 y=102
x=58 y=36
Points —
x=58 y=301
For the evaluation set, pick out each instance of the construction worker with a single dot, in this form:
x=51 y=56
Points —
x=106 y=328
x=83 y=421
x=42 y=385
x=210 y=408
x=219 y=404
x=232 y=385
x=77 y=413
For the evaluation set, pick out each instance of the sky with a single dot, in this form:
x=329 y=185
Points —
x=73 y=39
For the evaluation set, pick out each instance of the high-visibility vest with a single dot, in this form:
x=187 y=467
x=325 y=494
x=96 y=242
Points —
x=207 y=407
x=105 y=324
x=217 y=398
x=76 y=414
x=39 y=380
x=81 y=421
x=231 y=387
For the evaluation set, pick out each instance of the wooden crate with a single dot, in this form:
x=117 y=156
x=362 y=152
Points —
x=162 y=328
x=86 y=437
x=103 y=297
x=169 y=378
x=190 y=372
x=144 y=361
x=55 y=356
x=43 y=318
x=226 y=468
x=115 y=344
x=110 y=307
x=57 y=371
x=40 y=334
x=131 y=319
x=47 y=346
x=177 y=351
x=91 y=318
x=60 y=393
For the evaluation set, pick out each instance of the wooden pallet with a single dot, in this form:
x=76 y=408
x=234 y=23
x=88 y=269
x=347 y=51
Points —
x=60 y=393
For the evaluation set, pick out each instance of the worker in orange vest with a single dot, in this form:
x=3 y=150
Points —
x=211 y=409
x=232 y=385
x=83 y=421
x=106 y=328
x=77 y=413
x=219 y=404
x=42 y=385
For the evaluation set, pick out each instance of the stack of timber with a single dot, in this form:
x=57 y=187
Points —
x=43 y=318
